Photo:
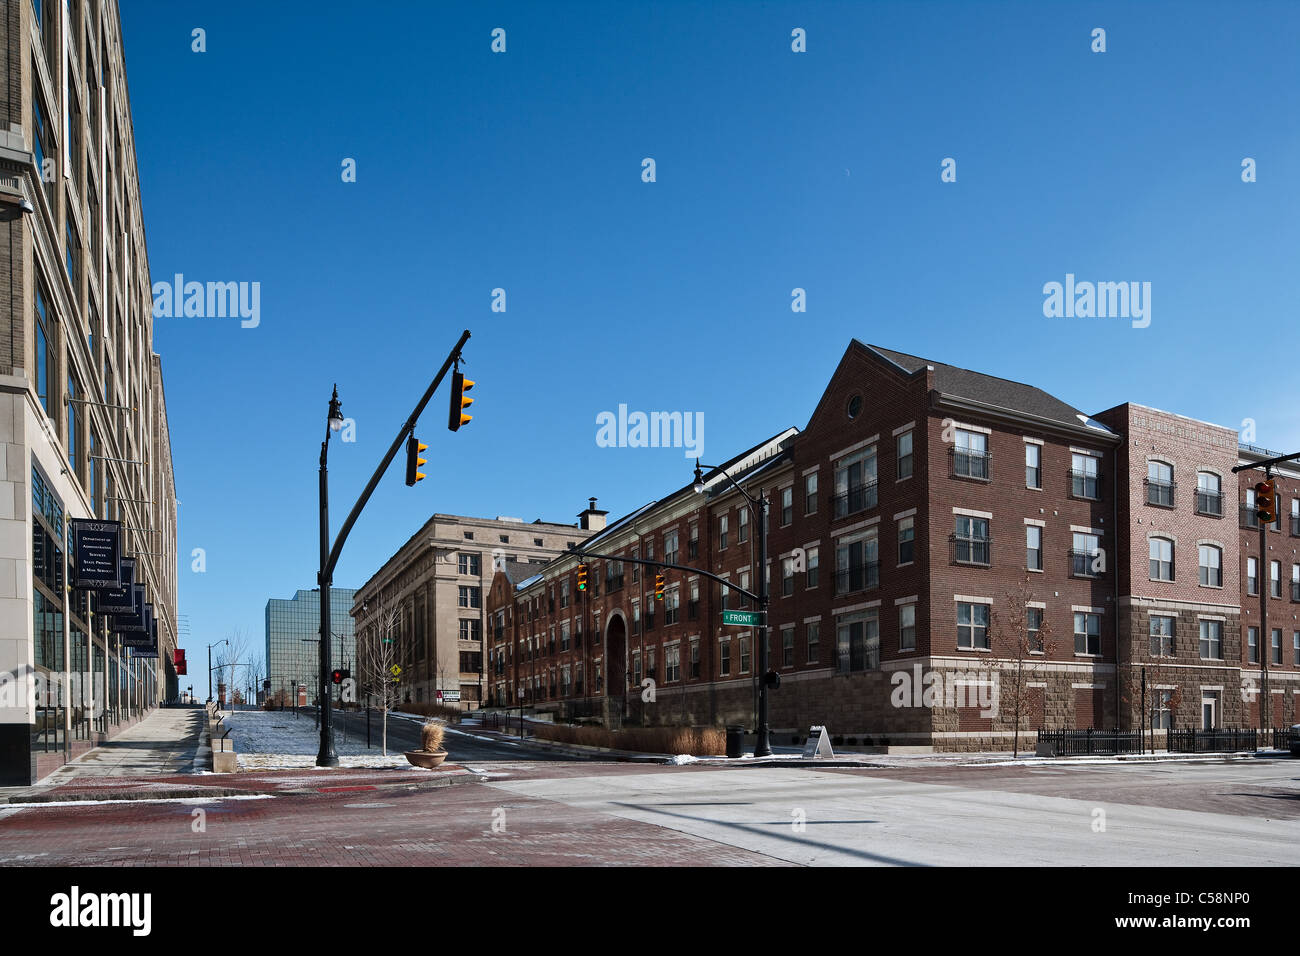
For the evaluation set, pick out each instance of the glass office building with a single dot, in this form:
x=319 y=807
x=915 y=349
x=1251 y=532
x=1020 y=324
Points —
x=293 y=640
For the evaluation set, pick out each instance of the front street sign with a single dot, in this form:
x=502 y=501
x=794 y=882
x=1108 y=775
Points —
x=743 y=618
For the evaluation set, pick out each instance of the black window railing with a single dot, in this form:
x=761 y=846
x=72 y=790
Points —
x=1295 y=525
x=1295 y=591
x=1081 y=564
x=1248 y=517
x=1161 y=492
x=857 y=498
x=969 y=463
x=857 y=577
x=967 y=550
x=1085 y=484
x=1209 y=503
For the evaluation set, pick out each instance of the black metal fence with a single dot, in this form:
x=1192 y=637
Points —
x=1076 y=743
x=1211 y=741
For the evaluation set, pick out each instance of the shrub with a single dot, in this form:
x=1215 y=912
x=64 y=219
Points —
x=697 y=741
x=431 y=736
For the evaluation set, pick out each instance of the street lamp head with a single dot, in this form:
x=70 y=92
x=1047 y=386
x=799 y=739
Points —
x=336 y=414
x=699 y=479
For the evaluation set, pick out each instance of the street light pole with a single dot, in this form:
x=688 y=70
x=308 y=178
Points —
x=326 y=757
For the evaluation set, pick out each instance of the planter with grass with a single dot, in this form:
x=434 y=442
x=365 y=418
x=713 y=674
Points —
x=430 y=754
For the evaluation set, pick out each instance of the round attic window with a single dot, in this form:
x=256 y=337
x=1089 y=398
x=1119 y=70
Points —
x=855 y=406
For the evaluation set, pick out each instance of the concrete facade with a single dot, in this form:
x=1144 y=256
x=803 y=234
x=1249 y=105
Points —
x=83 y=429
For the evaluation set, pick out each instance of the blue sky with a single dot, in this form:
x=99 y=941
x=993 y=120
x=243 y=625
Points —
x=775 y=170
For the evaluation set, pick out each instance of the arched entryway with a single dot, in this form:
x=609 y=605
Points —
x=616 y=667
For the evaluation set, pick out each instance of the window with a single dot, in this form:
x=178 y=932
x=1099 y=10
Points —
x=564 y=636
x=636 y=617
x=1209 y=497
x=1248 y=517
x=672 y=663
x=787 y=506
x=1211 y=565
x=855 y=483
x=811 y=559
x=692 y=546
x=787 y=577
x=906 y=540
x=1160 y=484
x=1083 y=476
x=857 y=565
x=469 y=597
x=1275 y=578
x=744 y=586
x=742 y=525
x=724 y=657
x=1252 y=645
x=1252 y=577
x=1087 y=633
x=970 y=455
x=1295 y=582
x=1277 y=645
x=650 y=614
x=787 y=646
x=722 y=534
x=1033 y=466
x=1034 y=629
x=469 y=564
x=907 y=627
x=693 y=603
x=672 y=605
x=972 y=626
x=94 y=474
x=1085 y=555
x=903 y=444
x=857 y=640
x=1161 y=552
x=1161 y=710
x=810 y=494
x=44 y=147
x=1162 y=635
x=1295 y=648
x=1211 y=640
x=1033 y=547
x=695 y=658
x=724 y=596
x=44 y=348
x=72 y=252
x=814 y=642
x=564 y=593
x=471 y=629
x=670 y=548
x=73 y=427
x=744 y=655
x=971 y=540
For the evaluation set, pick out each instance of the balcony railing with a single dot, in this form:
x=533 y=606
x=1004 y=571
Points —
x=1081 y=564
x=857 y=577
x=968 y=463
x=1160 y=492
x=1084 y=484
x=971 y=550
x=858 y=498
x=1295 y=525
x=1295 y=591
x=1209 y=503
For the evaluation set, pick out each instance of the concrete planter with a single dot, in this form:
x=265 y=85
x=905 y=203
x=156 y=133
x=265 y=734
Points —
x=428 y=761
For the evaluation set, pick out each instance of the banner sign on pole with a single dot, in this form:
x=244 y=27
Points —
x=97 y=551
x=120 y=600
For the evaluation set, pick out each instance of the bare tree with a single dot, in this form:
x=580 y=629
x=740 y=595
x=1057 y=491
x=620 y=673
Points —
x=232 y=655
x=1012 y=637
x=377 y=657
x=256 y=671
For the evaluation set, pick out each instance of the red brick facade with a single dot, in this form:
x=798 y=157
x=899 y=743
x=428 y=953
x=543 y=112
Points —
x=880 y=614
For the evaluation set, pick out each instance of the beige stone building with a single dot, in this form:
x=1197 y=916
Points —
x=438 y=581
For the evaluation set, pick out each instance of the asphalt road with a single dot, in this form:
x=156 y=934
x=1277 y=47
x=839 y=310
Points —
x=461 y=744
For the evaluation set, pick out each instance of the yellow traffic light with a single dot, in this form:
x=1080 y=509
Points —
x=414 y=449
x=459 y=401
x=1264 y=504
x=582 y=577
x=659 y=587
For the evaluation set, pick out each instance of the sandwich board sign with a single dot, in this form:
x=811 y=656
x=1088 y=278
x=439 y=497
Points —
x=819 y=743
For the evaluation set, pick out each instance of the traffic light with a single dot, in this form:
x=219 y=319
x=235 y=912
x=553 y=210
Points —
x=582 y=577
x=414 y=448
x=459 y=402
x=1264 y=505
x=659 y=586
x=337 y=676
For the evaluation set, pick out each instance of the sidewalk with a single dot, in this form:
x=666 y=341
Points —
x=165 y=743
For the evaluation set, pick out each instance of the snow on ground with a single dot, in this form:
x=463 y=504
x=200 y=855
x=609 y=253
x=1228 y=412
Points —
x=277 y=740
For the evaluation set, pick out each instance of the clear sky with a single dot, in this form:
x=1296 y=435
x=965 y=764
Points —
x=774 y=170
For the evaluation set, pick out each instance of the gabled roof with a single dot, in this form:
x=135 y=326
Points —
x=988 y=389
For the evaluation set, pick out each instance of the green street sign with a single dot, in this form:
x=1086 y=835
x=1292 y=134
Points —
x=743 y=618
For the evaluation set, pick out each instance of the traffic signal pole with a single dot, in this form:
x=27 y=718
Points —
x=330 y=556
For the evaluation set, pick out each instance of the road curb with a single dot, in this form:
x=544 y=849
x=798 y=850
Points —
x=103 y=796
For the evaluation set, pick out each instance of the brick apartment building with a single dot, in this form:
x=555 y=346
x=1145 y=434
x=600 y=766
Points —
x=952 y=525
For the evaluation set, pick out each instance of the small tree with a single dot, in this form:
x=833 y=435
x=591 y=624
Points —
x=1009 y=629
x=377 y=656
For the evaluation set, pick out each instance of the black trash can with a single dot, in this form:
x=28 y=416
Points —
x=735 y=741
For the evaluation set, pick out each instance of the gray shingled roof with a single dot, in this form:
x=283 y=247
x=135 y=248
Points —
x=988 y=389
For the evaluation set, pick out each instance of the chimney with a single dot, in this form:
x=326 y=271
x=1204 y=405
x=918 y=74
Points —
x=592 y=519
